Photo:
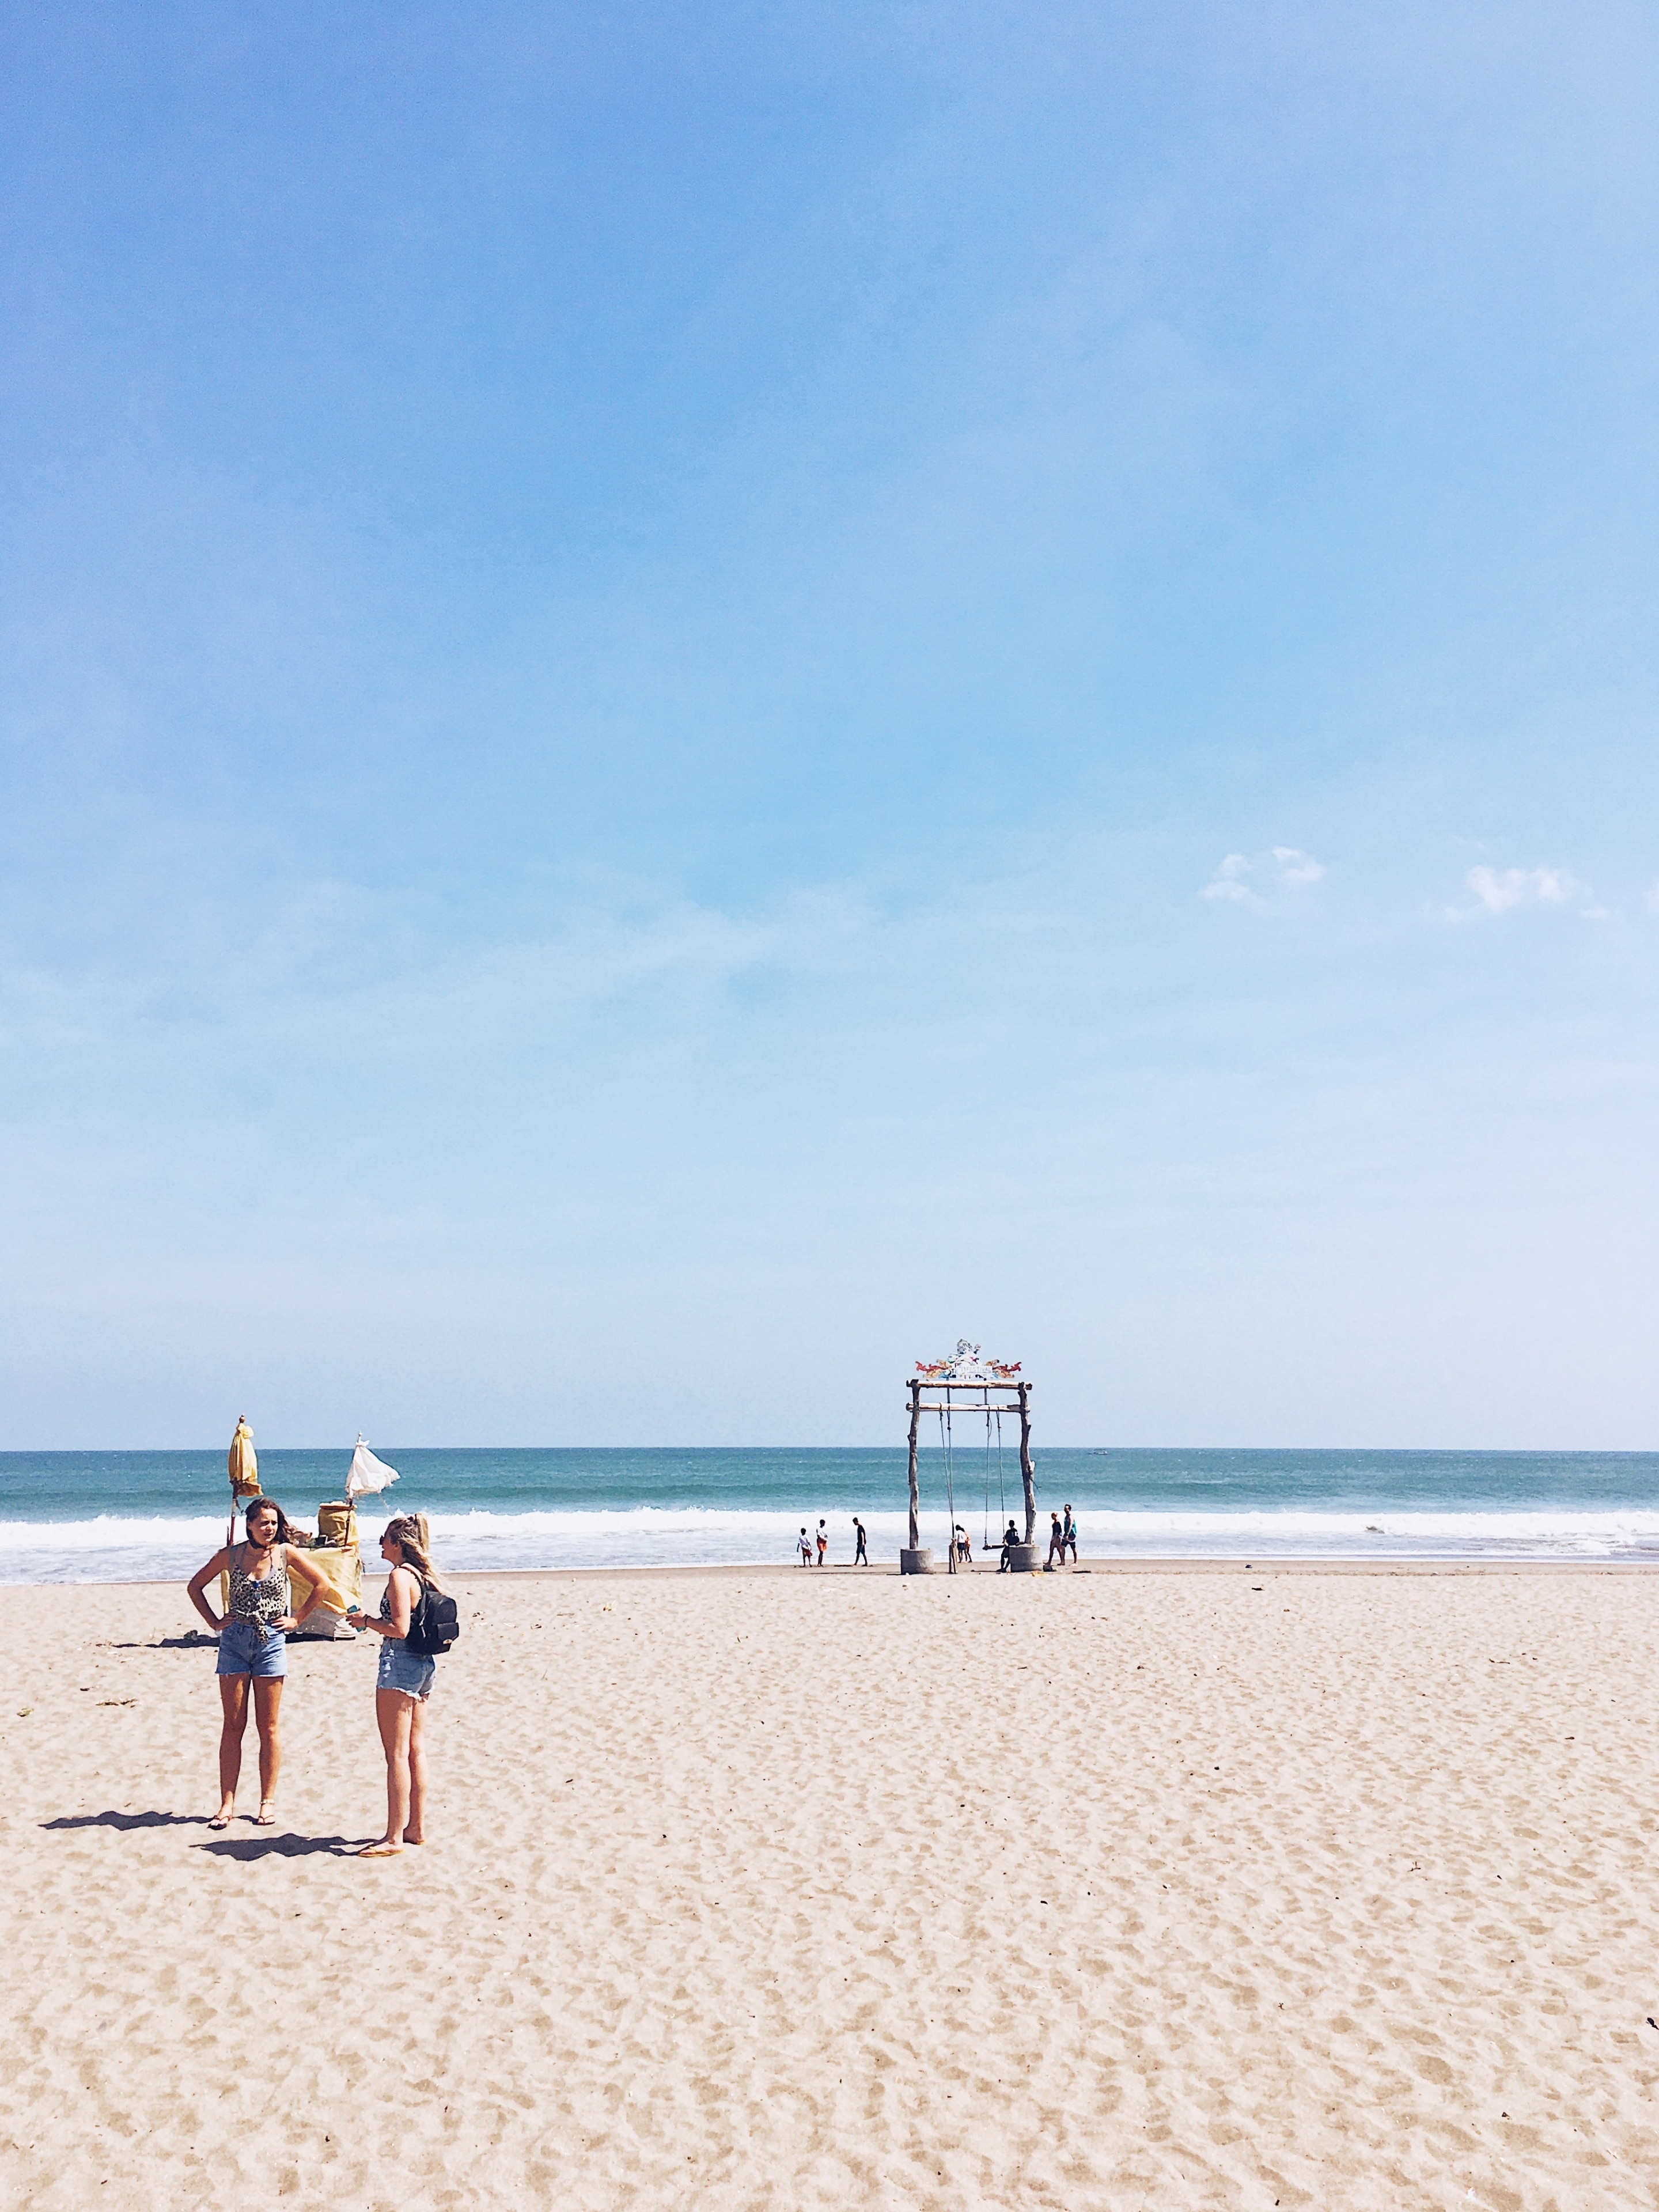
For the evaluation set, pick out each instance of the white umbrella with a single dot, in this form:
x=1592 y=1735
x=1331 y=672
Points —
x=367 y=1474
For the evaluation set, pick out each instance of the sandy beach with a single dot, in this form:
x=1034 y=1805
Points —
x=1120 y=1888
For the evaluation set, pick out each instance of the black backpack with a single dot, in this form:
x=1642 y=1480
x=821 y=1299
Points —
x=433 y=1625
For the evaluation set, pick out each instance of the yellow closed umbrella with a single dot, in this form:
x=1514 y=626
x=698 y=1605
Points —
x=244 y=1466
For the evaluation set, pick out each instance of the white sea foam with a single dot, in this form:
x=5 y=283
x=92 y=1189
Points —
x=114 y=1548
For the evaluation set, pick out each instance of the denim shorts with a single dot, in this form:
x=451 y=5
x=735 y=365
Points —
x=411 y=1672
x=245 y=1648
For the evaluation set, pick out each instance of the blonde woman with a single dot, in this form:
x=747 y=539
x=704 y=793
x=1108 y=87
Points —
x=402 y=1685
x=254 y=1647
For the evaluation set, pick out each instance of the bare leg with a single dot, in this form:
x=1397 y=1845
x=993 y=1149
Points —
x=395 y=1718
x=233 y=1699
x=415 y=1832
x=267 y=1711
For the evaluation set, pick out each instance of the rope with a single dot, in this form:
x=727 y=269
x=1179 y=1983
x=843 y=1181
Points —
x=947 y=1446
x=986 y=1543
x=1002 y=1495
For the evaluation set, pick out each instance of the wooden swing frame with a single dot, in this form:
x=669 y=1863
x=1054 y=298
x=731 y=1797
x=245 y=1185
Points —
x=1015 y=1398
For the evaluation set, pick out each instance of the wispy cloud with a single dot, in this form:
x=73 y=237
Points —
x=1260 y=879
x=1501 y=890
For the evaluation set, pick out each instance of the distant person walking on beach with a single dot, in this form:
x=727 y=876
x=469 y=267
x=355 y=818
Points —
x=1010 y=1537
x=1068 y=1539
x=253 y=1646
x=1056 y=1541
x=860 y=1557
x=823 y=1542
x=403 y=1682
x=805 y=1548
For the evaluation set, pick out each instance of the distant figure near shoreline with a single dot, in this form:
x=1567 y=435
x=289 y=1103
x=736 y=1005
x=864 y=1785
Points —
x=860 y=1557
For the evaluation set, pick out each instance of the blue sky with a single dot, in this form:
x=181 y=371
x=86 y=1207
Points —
x=694 y=698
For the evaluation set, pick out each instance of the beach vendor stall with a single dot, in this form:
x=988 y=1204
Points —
x=332 y=1551
x=335 y=1548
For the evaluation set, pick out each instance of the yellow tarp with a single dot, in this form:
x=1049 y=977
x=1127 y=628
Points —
x=345 y=1575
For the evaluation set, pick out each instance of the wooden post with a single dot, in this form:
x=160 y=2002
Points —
x=916 y=1496
x=1027 y=1472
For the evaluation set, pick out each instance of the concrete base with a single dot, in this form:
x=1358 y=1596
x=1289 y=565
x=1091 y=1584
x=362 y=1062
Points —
x=916 y=1563
x=1023 y=1559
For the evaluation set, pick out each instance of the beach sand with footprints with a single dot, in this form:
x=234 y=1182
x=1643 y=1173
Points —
x=1120 y=1888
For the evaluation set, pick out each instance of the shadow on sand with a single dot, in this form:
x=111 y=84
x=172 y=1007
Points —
x=283 y=1847
x=192 y=1640
x=129 y=1820
x=224 y=1847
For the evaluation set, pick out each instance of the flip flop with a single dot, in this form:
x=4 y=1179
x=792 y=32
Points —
x=264 y=1819
x=220 y=1820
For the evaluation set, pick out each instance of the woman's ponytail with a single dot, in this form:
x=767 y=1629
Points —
x=409 y=1530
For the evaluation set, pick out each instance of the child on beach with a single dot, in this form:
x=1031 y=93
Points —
x=805 y=1549
x=823 y=1542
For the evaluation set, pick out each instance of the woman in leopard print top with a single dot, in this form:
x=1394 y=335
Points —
x=253 y=1646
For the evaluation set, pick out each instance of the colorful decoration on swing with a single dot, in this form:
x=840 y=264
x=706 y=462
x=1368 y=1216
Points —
x=967 y=1366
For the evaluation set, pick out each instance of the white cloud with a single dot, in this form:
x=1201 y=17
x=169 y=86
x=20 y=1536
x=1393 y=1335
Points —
x=1292 y=867
x=1228 y=881
x=1498 y=890
x=1255 y=879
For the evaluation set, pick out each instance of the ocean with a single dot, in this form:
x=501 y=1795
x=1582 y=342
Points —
x=145 y=1516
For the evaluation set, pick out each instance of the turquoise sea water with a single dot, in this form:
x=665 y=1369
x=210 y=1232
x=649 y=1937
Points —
x=75 y=1516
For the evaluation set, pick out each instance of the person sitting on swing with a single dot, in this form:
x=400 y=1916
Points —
x=1010 y=1536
